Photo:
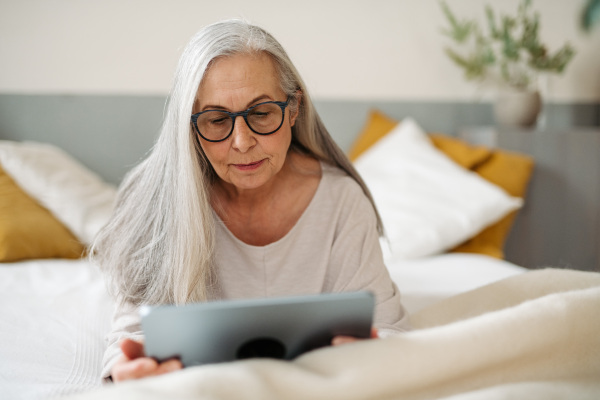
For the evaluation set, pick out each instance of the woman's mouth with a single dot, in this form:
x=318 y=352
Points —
x=249 y=167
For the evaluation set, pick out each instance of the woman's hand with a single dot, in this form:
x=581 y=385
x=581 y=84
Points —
x=134 y=364
x=336 y=341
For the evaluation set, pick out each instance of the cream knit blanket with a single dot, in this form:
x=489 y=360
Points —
x=532 y=336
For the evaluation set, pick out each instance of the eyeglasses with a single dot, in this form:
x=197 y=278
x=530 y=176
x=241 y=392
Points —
x=217 y=125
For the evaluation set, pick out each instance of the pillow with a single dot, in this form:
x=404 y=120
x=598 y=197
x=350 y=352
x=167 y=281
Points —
x=461 y=152
x=479 y=159
x=28 y=230
x=77 y=197
x=512 y=172
x=378 y=125
x=428 y=203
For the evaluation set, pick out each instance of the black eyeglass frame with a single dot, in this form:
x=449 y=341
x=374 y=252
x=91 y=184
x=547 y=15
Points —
x=244 y=114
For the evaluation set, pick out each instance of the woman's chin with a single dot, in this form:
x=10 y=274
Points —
x=249 y=181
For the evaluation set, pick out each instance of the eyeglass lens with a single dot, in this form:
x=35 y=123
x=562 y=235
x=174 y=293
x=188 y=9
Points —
x=264 y=118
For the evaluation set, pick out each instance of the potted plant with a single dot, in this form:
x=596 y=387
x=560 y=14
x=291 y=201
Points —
x=507 y=55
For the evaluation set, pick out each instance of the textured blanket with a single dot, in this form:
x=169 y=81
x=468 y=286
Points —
x=535 y=335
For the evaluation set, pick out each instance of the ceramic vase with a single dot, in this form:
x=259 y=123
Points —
x=517 y=108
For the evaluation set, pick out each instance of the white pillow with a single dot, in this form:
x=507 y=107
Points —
x=76 y=196
x=427 y=202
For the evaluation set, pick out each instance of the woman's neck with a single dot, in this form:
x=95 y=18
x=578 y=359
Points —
x=264 y=216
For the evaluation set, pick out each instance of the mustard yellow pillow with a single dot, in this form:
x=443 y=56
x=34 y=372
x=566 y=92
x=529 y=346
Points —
x=27 y=230
x=377 y=126
x=459 y=151
x=512 y=172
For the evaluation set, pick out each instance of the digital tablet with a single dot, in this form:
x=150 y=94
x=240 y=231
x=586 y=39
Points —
x=282 y=328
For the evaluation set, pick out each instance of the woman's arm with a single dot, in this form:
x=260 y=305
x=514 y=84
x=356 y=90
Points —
x=124 y=357
x=357 y=261
x=133 y=363
x=125 y=325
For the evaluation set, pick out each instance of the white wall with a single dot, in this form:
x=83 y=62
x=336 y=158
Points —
x=368 y=49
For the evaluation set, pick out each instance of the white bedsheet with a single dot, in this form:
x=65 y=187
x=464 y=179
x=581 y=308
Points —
x=54 y=315
x=423 y=282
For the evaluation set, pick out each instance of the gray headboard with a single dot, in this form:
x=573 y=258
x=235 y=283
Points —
x=559 y=226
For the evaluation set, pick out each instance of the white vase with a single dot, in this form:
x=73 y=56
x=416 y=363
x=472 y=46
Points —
x=517 y=108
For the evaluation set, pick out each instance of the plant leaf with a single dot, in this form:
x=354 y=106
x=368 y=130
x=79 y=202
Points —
x=460 y=31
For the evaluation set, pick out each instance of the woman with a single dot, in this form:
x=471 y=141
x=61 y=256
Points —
x=244 y=195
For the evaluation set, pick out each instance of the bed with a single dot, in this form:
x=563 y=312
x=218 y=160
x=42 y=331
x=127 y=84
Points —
x=484 y=327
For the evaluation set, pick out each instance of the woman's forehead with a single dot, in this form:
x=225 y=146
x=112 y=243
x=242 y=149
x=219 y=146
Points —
x=240 y=75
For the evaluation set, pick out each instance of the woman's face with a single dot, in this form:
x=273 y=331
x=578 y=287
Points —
x=245 y=160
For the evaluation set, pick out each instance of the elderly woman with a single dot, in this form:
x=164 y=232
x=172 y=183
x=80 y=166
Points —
x=244 y=195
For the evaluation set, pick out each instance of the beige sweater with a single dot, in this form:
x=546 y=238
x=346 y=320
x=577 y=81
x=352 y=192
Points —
x=334 y=247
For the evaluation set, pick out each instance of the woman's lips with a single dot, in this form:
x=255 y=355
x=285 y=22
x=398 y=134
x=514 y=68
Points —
x=250 y=166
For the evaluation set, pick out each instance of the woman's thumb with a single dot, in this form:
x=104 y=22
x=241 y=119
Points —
x=132 y=349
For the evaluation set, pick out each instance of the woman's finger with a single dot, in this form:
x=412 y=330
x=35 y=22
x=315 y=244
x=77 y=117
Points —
x=132 y=349
x=168 y=366
x=134 y=369
x=338 y=340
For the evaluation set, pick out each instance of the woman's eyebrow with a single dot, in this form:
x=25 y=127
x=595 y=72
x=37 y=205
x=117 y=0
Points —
x=258 y=99
x=250 y=103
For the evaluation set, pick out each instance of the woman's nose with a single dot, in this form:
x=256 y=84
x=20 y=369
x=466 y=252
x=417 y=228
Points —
x=243 y=138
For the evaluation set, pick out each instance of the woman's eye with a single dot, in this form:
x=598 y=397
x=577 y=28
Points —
x=218 y=121
x=261 y=113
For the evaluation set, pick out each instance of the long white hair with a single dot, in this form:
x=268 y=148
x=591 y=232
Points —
x=158 y=246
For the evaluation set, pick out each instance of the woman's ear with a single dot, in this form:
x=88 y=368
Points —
x=295 y=109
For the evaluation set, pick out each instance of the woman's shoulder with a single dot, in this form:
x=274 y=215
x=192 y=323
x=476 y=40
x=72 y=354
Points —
x=338 y=179
x=334 y=184
x=341 y=192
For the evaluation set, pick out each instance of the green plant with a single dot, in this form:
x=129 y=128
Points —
x=509 y=53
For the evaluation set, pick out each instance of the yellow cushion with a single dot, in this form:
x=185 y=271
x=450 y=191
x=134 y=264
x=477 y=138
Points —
x=510 y=171
x=27 y=230
x=378 y=125
x=461 y=152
